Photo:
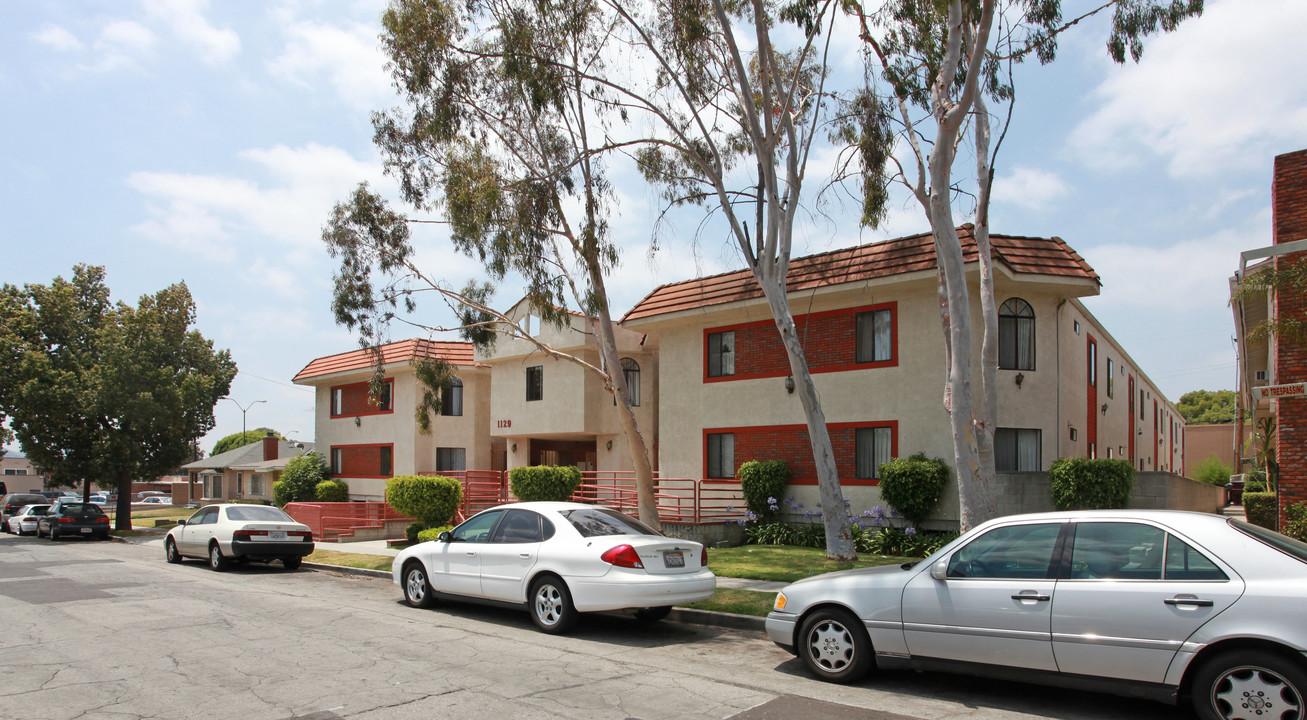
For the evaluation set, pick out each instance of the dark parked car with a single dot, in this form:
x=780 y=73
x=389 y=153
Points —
x=13 y=502
x=73 y=518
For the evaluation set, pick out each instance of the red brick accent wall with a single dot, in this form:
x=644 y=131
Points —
x=790 y=443
x=354 y=400
x=1289 y=218
x=363 y=461
x=830 y=344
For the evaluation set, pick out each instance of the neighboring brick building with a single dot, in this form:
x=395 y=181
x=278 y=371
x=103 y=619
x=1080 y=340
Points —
x=1289 y=223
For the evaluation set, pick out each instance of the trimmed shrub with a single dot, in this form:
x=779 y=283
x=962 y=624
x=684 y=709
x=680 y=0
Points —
x=1213 y=472
x=413 y=530
x=432 y=533
x=543 y=483
x=431 y=499
x=763 y=483
x=280 y=493
x=913 y=485
x=1260 y=508
x=332 y=491
x=1295 y=525
x=1085 y=484
x=301 y=478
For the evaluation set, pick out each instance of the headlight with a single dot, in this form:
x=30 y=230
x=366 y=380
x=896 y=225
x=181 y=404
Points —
x=779 y=605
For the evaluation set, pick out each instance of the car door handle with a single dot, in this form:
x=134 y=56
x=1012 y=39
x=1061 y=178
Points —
x=1031 y=595
x=524 y=556
x=1188 y=601
x=471 y=554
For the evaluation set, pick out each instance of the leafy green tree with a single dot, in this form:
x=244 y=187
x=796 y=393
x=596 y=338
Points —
x=299 y=481
x=1213 y=471
x=239 y=440
x=1209 y=407
x=104 y=392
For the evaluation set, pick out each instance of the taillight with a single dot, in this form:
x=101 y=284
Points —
x=103 y=519
x=703 y=556
x=247 y=534
x=622 y=556
x=300 y=533
x=67 y=520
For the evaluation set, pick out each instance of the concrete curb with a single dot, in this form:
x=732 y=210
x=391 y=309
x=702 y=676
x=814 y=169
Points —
x=688 y=616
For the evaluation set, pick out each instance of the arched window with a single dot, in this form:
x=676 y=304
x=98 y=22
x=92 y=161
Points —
x=451 y=398
x=631 y=371
x=1016 y=335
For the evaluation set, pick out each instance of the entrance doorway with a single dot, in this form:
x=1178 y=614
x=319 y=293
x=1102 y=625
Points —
x=583 y=454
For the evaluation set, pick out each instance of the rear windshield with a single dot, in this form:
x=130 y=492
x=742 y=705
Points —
x=1283 y=543
x=21 y=500
x=80 y=509
x=595 y=522
x=257 y=513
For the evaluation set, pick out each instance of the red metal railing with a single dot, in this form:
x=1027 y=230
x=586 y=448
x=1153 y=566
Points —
x=333 y=520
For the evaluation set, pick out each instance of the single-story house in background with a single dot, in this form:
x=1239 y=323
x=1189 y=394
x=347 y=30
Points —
x=246 y=473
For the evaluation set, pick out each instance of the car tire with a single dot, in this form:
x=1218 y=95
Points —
x=550 y=604
x=650 y=616
x=1237 y=683
x=54 y=534
x=217 y=562
x=834 y=645
x=417 y=586
x=291 y=563
x=170 y=551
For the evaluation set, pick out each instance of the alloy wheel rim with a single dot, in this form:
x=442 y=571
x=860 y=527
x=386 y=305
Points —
x=830 y=645
x=416 y=586
x=1250 y=692
x=215 y=556
x=548 y=604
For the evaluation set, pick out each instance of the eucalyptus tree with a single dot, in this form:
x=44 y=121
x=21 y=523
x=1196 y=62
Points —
x=931 y=66
x=108 y=392
x=500 y=135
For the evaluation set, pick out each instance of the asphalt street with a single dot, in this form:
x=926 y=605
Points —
x=108 y=630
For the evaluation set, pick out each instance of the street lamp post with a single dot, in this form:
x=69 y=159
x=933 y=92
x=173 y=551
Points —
x=243 y=411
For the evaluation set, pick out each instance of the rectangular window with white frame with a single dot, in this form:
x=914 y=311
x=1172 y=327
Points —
x=872 y=448
x=257 y=485
x=721 y=353
x=721 y=455
x=1017 y=450
x=875 y=336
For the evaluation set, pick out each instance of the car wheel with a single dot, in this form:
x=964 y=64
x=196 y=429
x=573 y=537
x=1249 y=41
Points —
x=170 y=551
x=417 y=588
x=834 y=645
x=551 y=605
x=54 y=534
x=217 y=562
x=1248 y=684
x=291 y=563
x=649 y=616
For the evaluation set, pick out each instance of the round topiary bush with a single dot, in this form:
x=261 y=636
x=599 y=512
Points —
x=431 y=499
x=542 y=483
x=1085 y=484
x=913 y=485
x=331 y=491
x=1260 y=508
x=763 y=484
x=300 y=479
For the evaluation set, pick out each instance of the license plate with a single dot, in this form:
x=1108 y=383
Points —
x=674 y=559
x=277 y=535
x=86 y=530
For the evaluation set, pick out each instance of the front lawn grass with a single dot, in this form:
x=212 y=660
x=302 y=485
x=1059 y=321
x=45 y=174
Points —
x=786 y=563
x=354 y=560
x=740 y=602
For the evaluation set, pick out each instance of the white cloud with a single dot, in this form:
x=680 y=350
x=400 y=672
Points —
x=347 y=57
x=186 y=20
x=58 y=39
x=1030 y=188
x=1221 y=92
x=121 y=44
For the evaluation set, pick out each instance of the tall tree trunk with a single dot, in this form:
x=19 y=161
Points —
x=123 y=507
x=986 y=504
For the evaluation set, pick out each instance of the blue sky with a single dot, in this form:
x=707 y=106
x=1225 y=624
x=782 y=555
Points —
x=175 y=140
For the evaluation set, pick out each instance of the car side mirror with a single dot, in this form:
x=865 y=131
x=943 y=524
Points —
x=939 y=570
x=443 y=537
x=181 y=521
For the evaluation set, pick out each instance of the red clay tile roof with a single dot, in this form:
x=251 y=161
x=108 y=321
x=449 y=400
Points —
x=1043 y=256
x=455 y=353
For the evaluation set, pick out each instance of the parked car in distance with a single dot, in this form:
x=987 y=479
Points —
x=150 y=493
x=73 y=518
x=13 y=502
x=1168 y=605
x=557 y=560
x=24 y=521
x=239 y=532
x=157 y=500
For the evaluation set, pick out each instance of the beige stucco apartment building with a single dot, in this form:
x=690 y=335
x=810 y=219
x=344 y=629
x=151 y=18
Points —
x=712 y=379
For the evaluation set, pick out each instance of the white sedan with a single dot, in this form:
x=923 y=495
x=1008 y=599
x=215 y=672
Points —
x=24 y=521
x=157 y=500
x=556 y=560
x=241 y=533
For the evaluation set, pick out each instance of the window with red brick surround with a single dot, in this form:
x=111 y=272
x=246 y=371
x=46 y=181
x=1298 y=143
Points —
x=363 y=461
x=352 y=400
x=830 y=340
x=790 y=443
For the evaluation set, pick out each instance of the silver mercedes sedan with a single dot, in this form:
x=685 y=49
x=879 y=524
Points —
x=1172 y=606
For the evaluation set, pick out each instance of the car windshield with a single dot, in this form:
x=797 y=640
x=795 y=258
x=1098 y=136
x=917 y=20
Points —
x=596 y=522
x=256 y=513
x=1283 y=543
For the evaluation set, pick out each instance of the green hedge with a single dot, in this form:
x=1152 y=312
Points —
x=763 y=483
x=299 y=481
x=331 y=491
x=544 y=483
x=1260 y=508
x=913 y=485
x=432 y=533
x=431 y=499
x=1085 y=484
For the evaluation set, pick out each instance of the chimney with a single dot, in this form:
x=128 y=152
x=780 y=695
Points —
x=270 y=447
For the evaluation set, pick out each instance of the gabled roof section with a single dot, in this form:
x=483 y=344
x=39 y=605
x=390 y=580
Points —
x=452 y=352
x=1023 y=255
x=249 y=454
